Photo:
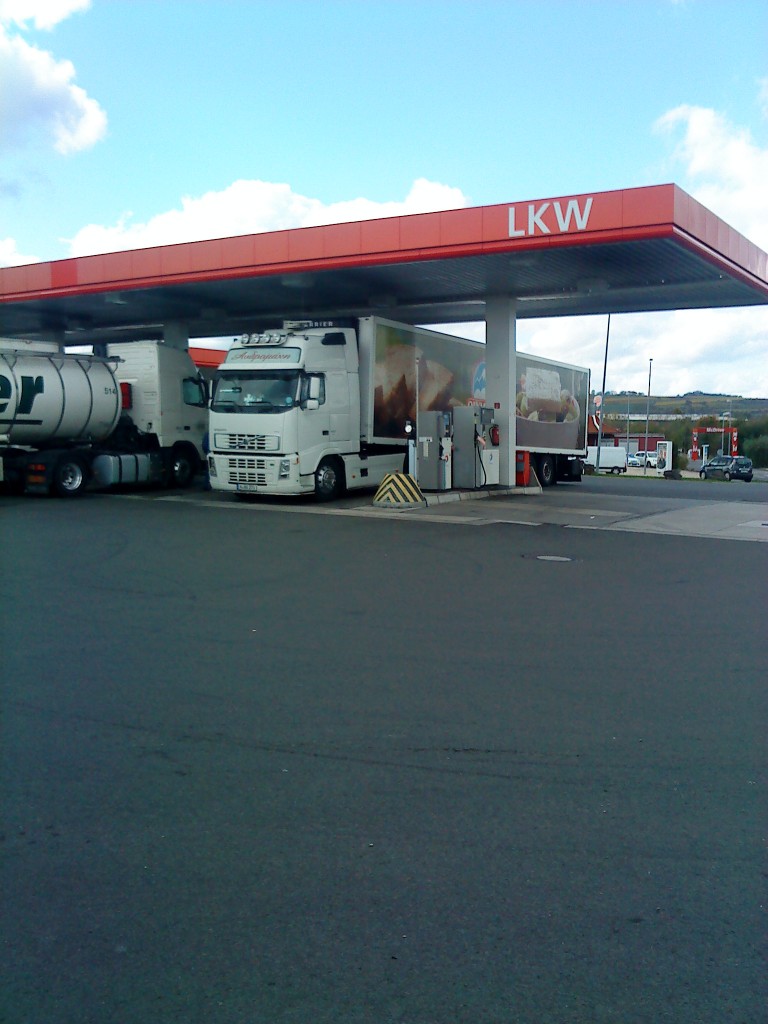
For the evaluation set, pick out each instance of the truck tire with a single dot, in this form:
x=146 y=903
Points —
x=329 y=479
x=615 y=470
x=69 y=476
x=546 y=468
x=184 y=465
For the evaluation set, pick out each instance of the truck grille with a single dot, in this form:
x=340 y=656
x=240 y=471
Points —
x=246 y=471
x=247 y=442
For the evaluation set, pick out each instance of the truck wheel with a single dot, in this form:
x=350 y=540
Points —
x=68 y=478
x=546 y=468
x=615 y=470
x=184 y=463
x=329 y=480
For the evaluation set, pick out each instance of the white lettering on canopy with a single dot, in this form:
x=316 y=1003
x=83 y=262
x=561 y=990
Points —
x=537 y=224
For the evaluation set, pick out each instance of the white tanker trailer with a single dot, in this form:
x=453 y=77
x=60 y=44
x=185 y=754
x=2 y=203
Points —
x=136 y=416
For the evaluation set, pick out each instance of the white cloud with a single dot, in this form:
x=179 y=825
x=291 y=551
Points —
x=44 y=14
x=248 y=207
x=10 y=255
x=38 y=96
x=727 y=171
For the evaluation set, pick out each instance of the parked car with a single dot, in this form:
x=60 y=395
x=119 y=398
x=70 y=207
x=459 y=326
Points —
x=633 y=460
x=727 y=467
x=647 y=459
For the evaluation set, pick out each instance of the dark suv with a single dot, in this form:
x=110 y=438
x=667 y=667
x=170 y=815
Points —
x=729 y=467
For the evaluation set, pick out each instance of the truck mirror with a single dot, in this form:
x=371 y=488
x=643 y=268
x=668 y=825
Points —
x=194 y=392
x=312 y=403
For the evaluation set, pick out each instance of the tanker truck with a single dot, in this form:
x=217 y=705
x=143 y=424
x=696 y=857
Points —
x=136 y=415
x=322 y=406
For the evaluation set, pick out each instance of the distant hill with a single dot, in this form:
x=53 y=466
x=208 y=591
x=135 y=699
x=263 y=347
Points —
x=693 y=405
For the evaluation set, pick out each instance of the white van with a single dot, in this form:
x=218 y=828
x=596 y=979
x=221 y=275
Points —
x=612 y=460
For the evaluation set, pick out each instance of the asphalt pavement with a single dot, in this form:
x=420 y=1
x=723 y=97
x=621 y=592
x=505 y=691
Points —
x=270 y=764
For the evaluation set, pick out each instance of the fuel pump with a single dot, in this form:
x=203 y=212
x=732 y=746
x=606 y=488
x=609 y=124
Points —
x=476 y=451
x=434 y=444
x=488 y=447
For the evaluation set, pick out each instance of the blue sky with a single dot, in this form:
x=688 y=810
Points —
x=126 y=123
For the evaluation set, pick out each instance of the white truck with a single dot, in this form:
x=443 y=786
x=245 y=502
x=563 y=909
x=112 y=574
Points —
x=321 y=406
x=137 y=415
x=613 y=459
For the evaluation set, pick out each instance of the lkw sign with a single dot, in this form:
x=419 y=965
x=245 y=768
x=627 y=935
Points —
x=546 y=218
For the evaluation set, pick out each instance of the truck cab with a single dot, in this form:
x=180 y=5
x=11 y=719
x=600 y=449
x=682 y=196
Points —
x=165 y=396
x=285 y=413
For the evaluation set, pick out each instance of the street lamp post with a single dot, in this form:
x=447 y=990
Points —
x=647 y=414
x=602 y=400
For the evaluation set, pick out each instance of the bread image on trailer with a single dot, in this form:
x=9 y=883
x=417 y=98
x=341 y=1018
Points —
x=442 y=368
x=395 y=386
x=551 y=409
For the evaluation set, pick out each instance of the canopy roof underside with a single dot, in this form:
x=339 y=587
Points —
x=638 y=250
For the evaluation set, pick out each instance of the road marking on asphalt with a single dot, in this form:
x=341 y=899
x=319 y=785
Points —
x=594 y=513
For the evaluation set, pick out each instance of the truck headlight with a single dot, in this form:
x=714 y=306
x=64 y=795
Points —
x=285 y=468
x=211 y=466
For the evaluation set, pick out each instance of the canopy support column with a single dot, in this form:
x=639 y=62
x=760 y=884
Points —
x=176 y=335
x=501 y=378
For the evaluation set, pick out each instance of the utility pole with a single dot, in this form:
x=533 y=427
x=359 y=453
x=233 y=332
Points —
x=647 y=414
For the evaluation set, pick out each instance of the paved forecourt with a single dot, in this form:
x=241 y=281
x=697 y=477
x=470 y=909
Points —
x=662 y=511
x=345 y=766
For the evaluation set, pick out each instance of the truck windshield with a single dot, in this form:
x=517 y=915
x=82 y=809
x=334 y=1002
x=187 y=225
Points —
x=247 y=391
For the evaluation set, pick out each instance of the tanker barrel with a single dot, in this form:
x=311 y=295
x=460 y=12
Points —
x=55 y=397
